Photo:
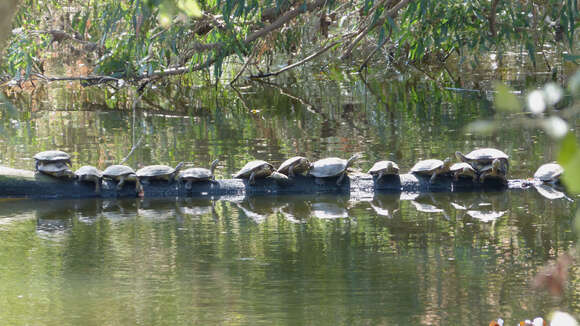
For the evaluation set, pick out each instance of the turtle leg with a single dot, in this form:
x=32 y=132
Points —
x=380 y=177
x=97 y=186
x=138 y=187
x=482 y=177
x=339 y=181
x=474 y=177
x=121 y=183
x=188 y=185
x=433 y=176
x=455 y=176
x=252 y=177
x=291 y=172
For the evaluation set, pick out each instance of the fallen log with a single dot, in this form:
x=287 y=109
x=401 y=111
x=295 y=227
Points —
x=30 y=184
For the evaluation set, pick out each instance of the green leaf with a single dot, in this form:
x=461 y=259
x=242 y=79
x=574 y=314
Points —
x=568 y=149
x=505 y=100
x=569 y=158
x=571 y=176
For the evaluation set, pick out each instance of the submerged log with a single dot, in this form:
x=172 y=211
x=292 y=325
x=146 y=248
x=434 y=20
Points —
x=23 y=183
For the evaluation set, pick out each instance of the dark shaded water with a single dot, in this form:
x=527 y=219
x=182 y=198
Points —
x=398 y=260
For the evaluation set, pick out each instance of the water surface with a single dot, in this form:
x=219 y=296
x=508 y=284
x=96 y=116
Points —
x=404 y=259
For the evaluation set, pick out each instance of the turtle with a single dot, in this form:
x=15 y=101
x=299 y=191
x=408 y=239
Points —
x=89 y=173
x=54 y=156
x=255 y=169
x=383 y=168
x=549 y=173
x=122 y=173
x=494 y=170
x=280 y=178
x=432 y=167
x=294 y=165
x=483 y=157
x=158 y=172
x=332 y=167
x=463 y=170
x=192 y=175
x=58 y=169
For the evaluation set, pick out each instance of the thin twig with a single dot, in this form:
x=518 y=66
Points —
x=299 y=63
x=135 y=145
x=366 y=62
x=250 y=58
x=307 y=105
x=244 y=103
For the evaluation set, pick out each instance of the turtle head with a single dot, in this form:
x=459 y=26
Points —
x=495 y=165
x=354 y=157
x=214 y=165
x=391 y=167
x=179 y=166
x=447 y=163
x=460 y=156
x=68 y=173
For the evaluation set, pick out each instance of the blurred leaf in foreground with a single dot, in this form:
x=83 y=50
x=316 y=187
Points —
x=569 y=158
x=505 y=99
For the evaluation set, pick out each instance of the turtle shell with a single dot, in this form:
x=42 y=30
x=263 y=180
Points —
x=52 y=156
x=115 y=171
x=486 y=154
x=154 y=171
x=456 y=167
x=328 y=167
x=88 y=170
x=255 y=166
x=196 y=173
x=200 y=174
x=384 y=166
x=427 y=166
x=53 y=167
x=299 y=164
x=549 y=172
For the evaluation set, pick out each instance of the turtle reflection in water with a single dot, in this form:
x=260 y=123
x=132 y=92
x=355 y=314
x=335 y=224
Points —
x=386 y=204
x=550 y=193
x=485 y=216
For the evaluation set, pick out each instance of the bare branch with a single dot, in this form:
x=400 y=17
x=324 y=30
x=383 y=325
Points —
x=299 y=63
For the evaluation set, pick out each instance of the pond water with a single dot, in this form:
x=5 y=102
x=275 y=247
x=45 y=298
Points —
x=391 y=259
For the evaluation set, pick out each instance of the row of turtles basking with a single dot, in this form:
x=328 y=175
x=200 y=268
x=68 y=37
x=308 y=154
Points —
x=478 y=165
